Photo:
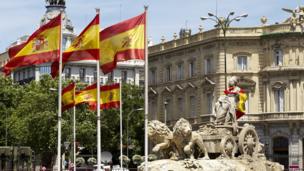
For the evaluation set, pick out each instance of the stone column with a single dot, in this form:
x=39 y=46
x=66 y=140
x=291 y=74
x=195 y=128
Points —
x=299 y=95
x=291 y=96
x=270 y=99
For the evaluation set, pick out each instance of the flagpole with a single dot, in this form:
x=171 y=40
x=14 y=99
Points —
x=120 y=109
x=146 y=91
x=59 y=99
x=98 y=111
x=74 y=133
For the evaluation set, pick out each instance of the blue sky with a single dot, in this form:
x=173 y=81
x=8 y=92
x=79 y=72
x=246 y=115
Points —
x=165 y=17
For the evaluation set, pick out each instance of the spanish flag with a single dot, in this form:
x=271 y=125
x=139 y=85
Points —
x=68 y=98
x=84 y=47
x=109 y=96
x=240 y=110
x=122 y=41
x=12 y=51
x=41 y=47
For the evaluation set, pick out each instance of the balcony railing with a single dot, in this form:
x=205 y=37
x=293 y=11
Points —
x=273 y=117
x=251 y=118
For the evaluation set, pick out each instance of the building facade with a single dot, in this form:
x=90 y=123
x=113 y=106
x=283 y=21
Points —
x=131 y=71
x=187 y=75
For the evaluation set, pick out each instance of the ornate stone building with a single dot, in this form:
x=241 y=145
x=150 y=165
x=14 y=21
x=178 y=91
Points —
x=186 y=76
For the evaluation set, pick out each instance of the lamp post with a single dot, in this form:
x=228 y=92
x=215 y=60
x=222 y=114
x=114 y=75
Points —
x=223 y=23
x=132 y=111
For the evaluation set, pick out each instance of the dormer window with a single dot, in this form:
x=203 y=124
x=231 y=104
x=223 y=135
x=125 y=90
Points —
x=278 y=57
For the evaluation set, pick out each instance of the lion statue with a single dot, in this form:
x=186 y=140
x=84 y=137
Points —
x=161 y=137
x=185 y=139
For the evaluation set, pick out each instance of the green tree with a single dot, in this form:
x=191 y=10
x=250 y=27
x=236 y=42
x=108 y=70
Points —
x=31 y=112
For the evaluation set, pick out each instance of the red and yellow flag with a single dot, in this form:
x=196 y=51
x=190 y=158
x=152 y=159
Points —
x=242 y=98
x=240 y=110
x=41 y=47
x=84 y=47
x=68 y=98
x=109 y=96
x=12 y=51
x=122 y=41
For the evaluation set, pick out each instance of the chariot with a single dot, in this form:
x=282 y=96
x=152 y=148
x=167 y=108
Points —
x=229 y=140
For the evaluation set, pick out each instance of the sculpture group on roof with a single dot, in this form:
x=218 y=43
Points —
x=55 y=2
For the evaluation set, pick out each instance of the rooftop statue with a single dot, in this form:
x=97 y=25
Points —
x=55 y=2
x=297 y=17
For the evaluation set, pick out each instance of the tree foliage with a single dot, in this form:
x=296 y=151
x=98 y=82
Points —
x=29 y=112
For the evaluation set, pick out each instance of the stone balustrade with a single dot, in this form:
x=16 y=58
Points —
x=273 y=116
x=216 y=33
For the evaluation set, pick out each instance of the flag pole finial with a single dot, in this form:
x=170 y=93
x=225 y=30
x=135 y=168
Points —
x=97 y=10
x=146 y=7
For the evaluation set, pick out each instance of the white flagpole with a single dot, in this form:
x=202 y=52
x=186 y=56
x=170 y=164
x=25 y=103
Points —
x=59 y=100
x=98 y=113
x=74 y=134
x=146 y=91
x=120 y=109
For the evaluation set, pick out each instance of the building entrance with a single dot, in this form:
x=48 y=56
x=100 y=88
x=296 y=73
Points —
x=280 y=151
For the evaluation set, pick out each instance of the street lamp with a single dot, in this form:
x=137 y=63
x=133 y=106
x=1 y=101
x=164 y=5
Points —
x=224 y=24
x=132 y=111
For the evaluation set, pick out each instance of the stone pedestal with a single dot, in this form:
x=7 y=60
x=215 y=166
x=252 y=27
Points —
x=213 y=165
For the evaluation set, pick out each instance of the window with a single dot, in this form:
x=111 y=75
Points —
x=207 y=66
x=279 y=99
x=191 y=69
x=180 y=71
x=168 y=73
x=209 y=103
x=110 y=77
x=124 y=76
x=45 y=70
x=152 y=76
x=180 y=102
x=152 y=109
x=242 y=63
x=278 y=57
x=67 y=72
x=192 y=106
x=95 y=75
x=82 y=73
